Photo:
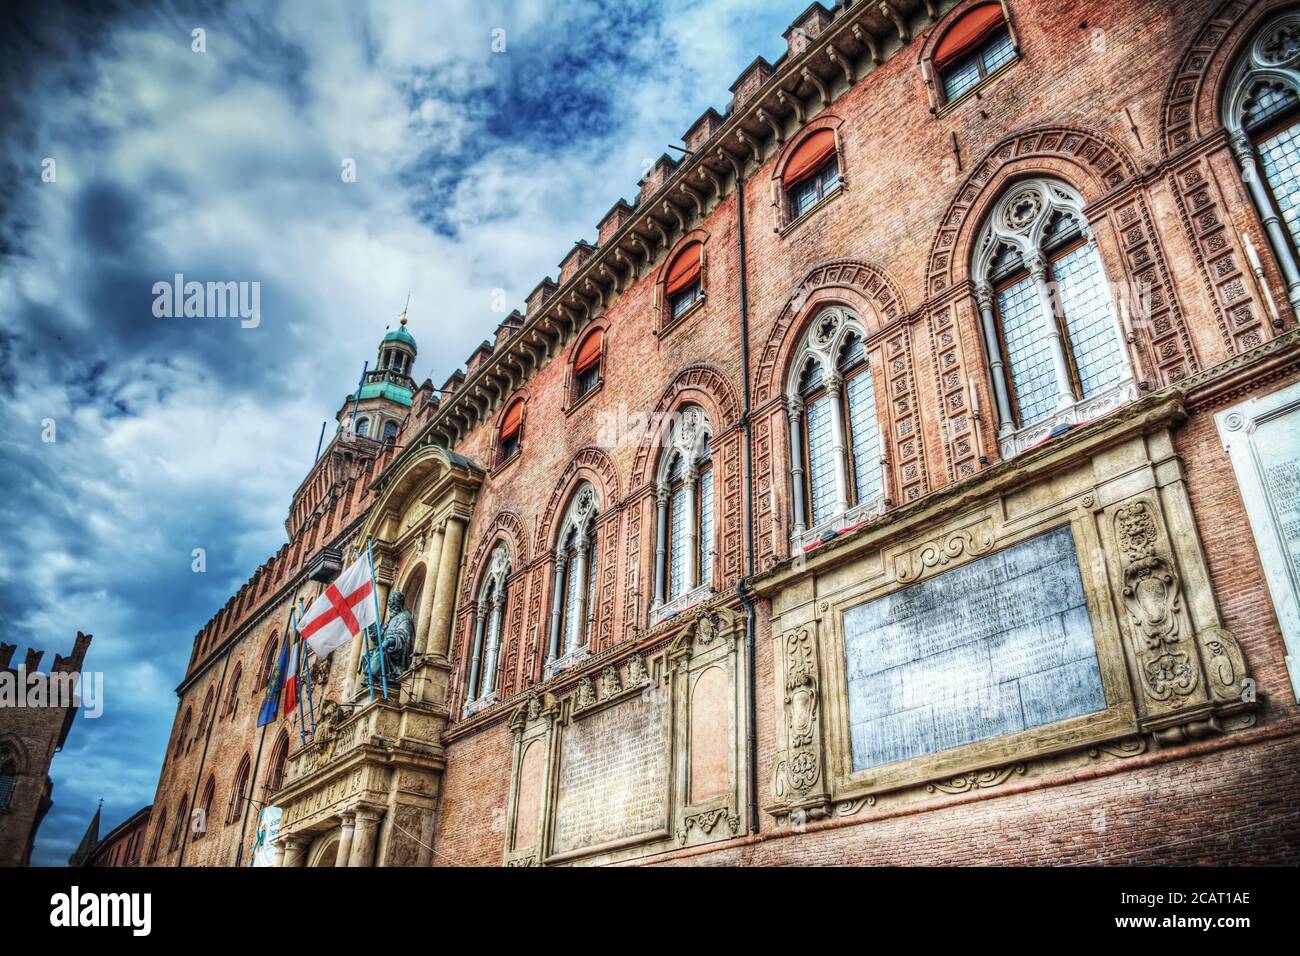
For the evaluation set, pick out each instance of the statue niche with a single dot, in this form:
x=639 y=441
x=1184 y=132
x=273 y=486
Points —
x=396 y=642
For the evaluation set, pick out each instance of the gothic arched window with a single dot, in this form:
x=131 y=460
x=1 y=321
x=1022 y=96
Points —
x=183 y=736
x=232 y=696
x=1261 y=111
x=178 y=826
x=239 y=792
x=8 y=781
x=684 y=496
x=276 y=767
x=489 y=627
x=158 y=835
x=1055 y=350
x=204 y=819
x=574 y=589
x=834 y=429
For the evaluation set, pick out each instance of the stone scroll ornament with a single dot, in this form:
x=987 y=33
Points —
x=802 y=764
x=1153 y=598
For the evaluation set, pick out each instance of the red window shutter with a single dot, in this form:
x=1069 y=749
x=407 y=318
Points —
x=513 y=419
x=967 y=33
x=809 y=156
x=589 y=351
x=685 y=269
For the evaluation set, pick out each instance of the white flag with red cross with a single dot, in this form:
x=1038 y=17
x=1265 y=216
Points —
x=341 y=612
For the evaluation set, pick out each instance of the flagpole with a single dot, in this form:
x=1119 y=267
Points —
x=299 y=661
x=379 y=632
x=311 y=703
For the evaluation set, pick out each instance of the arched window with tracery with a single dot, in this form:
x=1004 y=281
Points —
x=8 y=777
x=161 y=828
x=1261 y=111
x=1056 y=353
x=203 y=818
x=837 y=471
x=489 y=628
x=277 y=765
x=239 y=791
x=182 y=737
x=684 y=497
x=232 y=695
x=573 y=591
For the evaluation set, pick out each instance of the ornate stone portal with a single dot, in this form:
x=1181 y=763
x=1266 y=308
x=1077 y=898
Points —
x=371 y=779
x=1054 y=611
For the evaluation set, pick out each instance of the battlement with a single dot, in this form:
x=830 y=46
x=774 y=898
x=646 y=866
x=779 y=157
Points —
x=32 y=660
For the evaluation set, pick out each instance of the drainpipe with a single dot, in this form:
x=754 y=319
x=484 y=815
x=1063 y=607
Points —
x=747 y=517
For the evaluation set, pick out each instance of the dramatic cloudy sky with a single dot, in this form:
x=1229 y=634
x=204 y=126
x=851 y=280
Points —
x=475 y=171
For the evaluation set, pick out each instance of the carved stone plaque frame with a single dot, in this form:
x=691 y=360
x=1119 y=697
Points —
x=709 y=638
x=1241 y=428
x=1167 y=666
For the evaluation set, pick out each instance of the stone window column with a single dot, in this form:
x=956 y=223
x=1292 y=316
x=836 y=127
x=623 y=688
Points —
x=1244 y=151
x=580 y=611
x=795 y=415
x=661 y=543
x=346 y=829
x=476 y=652
x=493 y=641
x=997 y=366
x=689 y=477
x=364 y=838
x=1038 y=272
x=833 y=382
x=557 y=606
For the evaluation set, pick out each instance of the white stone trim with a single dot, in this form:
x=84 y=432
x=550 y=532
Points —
x=1094 y=406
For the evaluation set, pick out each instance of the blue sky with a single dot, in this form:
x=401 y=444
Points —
x=475 y=171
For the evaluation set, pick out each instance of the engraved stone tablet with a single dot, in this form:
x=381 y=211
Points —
x=613 y=773
x=1262 y=436
x=994 y=647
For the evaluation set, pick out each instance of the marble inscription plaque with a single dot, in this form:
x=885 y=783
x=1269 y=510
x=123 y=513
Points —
x=613 y=774
x=993 y=647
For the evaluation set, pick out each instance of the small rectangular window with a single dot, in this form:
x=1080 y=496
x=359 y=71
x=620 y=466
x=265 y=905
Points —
x=966 y=73
x=685 y=299
x=588 y=380
x=805 y=195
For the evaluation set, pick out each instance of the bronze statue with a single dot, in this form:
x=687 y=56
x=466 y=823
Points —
x=396 y=642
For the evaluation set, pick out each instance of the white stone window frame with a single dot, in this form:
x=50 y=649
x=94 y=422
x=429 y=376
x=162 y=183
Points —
x=1007 y=224
x=825 y=338
x=690 y=434
x=1237 y=426
x=578 y=526
x=1255 y=65
x=489 y=625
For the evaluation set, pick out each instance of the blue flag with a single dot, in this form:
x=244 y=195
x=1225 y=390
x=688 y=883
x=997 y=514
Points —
x=271 y=702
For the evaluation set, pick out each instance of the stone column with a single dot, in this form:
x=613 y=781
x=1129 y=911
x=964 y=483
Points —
x=346 y=829
x=433 y=552
x=557 y=607
x=279 y=853
x=795 y=415
x=1244 y=151
x=837 y=443
x=444 y=598
x=294 y=849
x=580 y=611
x=692 y=538
x=364 y=837
x=661 y=544
x=997 y=367
x=1038 y=271
x=476 y=652
x=493 y=641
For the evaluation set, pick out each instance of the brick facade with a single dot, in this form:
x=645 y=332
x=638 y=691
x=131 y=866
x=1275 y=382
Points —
x=1117 y=100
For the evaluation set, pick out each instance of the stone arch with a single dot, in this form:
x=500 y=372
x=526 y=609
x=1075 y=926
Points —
x=1190 y=108
x=866 y=289
x=697 y=384
x=325 y=851
x=590 y=464
x=507 y=526
x=1090 y=162
x=398 y=489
